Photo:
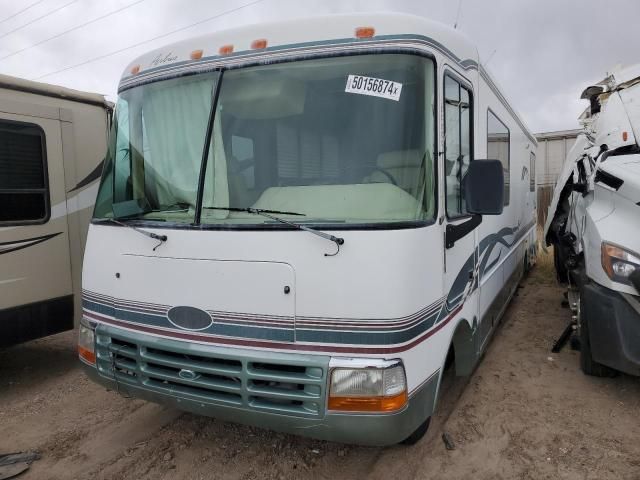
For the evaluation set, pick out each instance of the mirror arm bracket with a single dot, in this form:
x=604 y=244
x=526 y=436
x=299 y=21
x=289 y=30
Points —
x=456 y=232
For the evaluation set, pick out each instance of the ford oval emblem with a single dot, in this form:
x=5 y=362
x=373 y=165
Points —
x=189 y=318
x=188 y=374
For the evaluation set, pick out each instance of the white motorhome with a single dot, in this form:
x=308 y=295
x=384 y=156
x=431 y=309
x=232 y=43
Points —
x=52 y=143
x=288 y=231
x=593 y=226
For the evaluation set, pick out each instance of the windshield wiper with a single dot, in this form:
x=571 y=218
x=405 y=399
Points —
x=257 y=211
x=155 y=236
x=268 y=213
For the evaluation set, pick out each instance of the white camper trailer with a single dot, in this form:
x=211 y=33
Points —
x=289 y=230
x=593 y=226
x=52 y=143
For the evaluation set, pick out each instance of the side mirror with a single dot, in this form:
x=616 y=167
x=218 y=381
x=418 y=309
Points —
x=484 y=187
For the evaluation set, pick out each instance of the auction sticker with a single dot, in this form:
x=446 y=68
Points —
x=376 y=87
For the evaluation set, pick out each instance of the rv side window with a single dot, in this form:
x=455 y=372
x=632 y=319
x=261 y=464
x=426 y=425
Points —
x=24 y=194
x=498 y=147
x=532 y=172
x=458 y=148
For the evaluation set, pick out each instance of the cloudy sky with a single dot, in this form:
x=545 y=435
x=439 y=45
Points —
x=542 y=52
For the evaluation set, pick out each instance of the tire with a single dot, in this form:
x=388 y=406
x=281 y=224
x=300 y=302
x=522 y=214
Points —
x=417 y=435
x=587 y=364
x=561 y=271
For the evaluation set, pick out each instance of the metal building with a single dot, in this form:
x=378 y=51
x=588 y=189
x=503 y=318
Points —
x=552 y=152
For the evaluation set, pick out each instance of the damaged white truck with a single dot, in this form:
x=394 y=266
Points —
x=594 y=226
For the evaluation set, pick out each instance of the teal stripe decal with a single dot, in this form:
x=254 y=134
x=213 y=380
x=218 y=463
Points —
x=336 y=336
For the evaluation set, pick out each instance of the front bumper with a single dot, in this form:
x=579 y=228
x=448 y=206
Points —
x=285 y=392
x=614 y=327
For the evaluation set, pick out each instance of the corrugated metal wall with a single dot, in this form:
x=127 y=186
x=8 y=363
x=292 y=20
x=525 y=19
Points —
x=552 y=152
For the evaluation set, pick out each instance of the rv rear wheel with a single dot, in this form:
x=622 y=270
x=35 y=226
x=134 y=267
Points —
x=588 y=365
x=417 y=435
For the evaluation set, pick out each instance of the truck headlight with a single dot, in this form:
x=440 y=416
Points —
x=368 y=389
x=86 y=342
x=619 y=264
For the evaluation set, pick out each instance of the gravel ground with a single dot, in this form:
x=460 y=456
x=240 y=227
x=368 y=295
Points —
x=525 y=413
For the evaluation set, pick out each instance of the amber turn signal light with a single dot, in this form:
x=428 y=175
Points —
x=87 y=355
x=86 y=342
x=368 y=404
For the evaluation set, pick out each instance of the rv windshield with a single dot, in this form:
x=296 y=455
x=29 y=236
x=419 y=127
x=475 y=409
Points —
x=338 y=140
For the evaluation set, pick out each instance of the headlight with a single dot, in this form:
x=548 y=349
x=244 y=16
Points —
x=619 y=263
x=368 y=389
x=86 y=343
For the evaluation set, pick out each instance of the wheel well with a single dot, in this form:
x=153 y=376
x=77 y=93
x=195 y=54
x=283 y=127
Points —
x=451 y=357
x=463 y=349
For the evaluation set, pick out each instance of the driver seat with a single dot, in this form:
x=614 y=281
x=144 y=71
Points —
x=403 y=165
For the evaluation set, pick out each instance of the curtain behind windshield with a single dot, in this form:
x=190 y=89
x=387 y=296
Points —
x=175 y=117
x=156 y=151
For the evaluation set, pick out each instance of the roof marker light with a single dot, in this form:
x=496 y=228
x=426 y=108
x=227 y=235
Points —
x=365 y=32
x=226 y=49
x=259 y=44
x=135 y=69
x=625 y=135
x=196 y=55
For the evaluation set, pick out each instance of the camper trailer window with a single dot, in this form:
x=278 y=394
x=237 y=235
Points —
x=23 y=178
x=297 y=137
x=458 y=142
x=498 y=148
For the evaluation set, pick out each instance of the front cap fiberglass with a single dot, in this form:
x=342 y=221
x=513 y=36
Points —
x=342 y=140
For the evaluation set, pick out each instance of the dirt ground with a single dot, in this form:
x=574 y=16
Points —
x=525 y=413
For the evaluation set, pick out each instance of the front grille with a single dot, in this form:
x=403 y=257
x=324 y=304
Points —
x=278 y=386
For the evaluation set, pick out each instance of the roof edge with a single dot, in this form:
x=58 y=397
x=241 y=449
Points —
x=559 y=134
x=28 y=86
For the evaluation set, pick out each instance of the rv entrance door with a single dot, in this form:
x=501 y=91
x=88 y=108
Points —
x=35 y=273
x=460 y=259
